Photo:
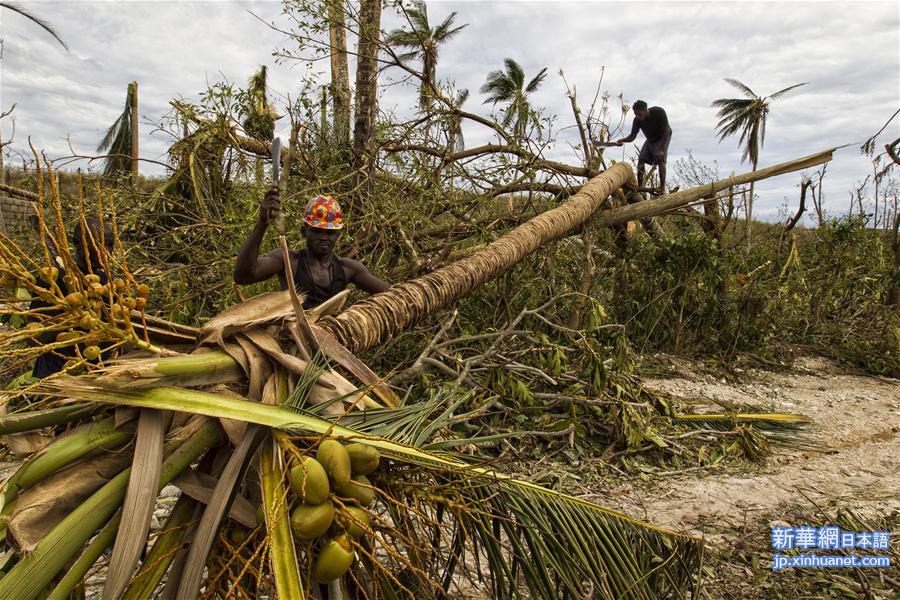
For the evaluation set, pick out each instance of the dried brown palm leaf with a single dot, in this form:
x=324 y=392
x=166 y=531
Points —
x=259 y=310
x=259 y=367
x=332 y=306
x=41 y=507
x=201 y=488
x=334 y=384
x=333 y=349
x=140 y=500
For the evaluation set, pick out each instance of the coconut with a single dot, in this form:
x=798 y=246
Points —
x=309 y=481
x=354 y=519
x=310 y=521
x=358 y=489
x=334 y=560
x=363 y=459
x=334 y=458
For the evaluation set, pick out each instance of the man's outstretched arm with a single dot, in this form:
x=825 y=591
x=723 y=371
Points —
x=360 y=276
x=249 y=268
x=635 y=127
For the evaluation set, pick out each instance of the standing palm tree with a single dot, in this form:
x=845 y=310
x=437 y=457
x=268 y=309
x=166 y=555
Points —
x=747 y=115
x=424 y=41
x=118 y=141
x=455 y=140
x=509 y=86
x=366 y=102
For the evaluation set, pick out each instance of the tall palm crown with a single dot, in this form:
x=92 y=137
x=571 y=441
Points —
x=424 y=40
x=747 y=115
x=509 y=86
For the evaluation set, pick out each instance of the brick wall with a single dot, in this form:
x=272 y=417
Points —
x=14 y=214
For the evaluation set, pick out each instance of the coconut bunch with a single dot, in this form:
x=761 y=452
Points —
x=361 y=505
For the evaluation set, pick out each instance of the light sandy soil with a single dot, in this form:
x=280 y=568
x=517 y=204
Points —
x=855 y=417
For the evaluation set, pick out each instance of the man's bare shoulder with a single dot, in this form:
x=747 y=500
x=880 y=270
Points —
x=352 y=266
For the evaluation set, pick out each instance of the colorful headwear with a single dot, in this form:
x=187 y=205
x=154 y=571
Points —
x=323 y=212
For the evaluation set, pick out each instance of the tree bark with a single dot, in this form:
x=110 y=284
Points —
x=14 y=191
x=750 y=210
x=2 y=170
x=366 y=100
x=340 y=74
x=893 y=298
x=134 y=133
x=892 y=151
x=383 y=316
x=802 y=208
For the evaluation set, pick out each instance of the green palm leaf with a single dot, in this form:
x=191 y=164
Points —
x=509 y=86
x=424 y=42
x=542 y=539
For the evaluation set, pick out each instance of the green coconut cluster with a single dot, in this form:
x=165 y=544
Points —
x=333 y=494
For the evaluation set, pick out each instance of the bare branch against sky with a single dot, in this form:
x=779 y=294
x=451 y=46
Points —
x=673 y=54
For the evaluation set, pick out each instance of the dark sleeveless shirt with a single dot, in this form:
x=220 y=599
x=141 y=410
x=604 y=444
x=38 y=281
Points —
x=316 y=294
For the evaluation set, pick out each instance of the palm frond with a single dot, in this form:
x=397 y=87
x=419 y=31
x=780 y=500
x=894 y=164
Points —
x=785 y=429
x=116 y=142
x=404 y=38
x=40 y=22
x=531 y=536
x=418 y=16
x=725 y=421
x=747 y=115
x=742 y=86
x=445 y=31
x=140 y=500
x=514 y=73
x=536 y=82
x=780 y=93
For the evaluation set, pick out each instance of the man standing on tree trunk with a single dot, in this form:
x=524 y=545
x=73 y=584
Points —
x=318 y=272
x=655 y=125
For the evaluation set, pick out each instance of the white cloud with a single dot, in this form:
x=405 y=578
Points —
x=673 y=54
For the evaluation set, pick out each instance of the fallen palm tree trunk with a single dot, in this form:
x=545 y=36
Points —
x=383 y=316
x=416 y=515
x=661 y=206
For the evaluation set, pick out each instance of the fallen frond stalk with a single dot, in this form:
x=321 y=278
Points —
x=34 y=571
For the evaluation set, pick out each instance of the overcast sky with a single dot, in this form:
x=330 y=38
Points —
x=672 y=54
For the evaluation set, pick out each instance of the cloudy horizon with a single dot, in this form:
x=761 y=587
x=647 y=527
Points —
x=674 y=54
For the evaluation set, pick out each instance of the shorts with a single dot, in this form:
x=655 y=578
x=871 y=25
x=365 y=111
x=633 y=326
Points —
x=649 y=150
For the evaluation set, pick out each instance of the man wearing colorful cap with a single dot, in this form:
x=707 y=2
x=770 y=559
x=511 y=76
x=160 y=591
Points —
x=318 y=272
